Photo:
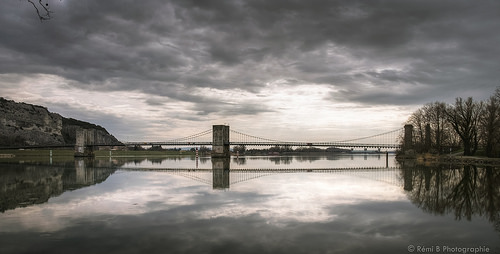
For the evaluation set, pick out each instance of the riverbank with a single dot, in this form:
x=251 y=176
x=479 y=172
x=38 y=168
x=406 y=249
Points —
x=99 y=153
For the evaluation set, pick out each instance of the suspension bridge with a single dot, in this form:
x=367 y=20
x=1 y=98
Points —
x=386 y=140
x=220 y=137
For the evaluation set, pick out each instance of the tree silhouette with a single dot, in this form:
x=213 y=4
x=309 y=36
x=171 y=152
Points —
x=464 y=116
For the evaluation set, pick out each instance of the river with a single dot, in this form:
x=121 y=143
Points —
x=297 y=204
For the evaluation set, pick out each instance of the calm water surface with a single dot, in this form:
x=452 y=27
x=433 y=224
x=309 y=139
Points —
x=338 y=204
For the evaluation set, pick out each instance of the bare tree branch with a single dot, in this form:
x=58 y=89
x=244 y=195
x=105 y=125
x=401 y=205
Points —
x=45 y=7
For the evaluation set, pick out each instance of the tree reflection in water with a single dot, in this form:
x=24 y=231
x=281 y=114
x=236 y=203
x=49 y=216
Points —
x=465 y=190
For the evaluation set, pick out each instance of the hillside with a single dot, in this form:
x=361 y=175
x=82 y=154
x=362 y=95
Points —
x=23 y=124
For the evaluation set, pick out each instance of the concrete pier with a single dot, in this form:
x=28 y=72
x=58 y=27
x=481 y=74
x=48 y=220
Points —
x=85 y=139
x=220 y=141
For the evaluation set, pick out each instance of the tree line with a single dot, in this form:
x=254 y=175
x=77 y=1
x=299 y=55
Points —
x=471 y=125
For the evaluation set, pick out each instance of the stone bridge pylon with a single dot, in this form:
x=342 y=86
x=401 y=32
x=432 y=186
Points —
x=220 y=141
x=85 y=141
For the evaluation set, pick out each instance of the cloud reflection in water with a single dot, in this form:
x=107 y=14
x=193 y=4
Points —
x=151 y=212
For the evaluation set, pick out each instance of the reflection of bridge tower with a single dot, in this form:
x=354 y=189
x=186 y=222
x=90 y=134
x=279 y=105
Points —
x=407 y=171
x=220 y=142
x=220 y=171
x=84 y=171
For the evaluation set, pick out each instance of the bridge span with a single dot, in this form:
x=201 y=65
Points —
x=220 y=138
x=291 y=144
x=220 y=135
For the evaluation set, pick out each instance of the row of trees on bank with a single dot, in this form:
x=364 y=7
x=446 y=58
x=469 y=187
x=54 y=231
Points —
x=469 y=124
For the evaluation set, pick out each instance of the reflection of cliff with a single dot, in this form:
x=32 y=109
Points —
x=464 y=190
x=23 y=185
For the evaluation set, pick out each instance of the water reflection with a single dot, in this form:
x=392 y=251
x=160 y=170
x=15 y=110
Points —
x=439 y=189
x=167 y=205
x=25 y=184
x=205 y=162
x=464 y=190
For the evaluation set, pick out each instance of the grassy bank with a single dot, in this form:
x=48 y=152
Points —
x=17 y=153
x=38 y=152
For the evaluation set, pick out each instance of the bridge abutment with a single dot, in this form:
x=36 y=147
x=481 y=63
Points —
x=220 y=141
x=85 y=139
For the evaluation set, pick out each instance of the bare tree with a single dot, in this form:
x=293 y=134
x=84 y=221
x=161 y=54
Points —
x=438 y=123
x=418 y=119
x=490 y=122
x=464 y=117
x=42 y=10
x=441 y=134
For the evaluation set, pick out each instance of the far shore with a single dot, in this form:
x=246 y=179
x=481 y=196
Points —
x=69 y=153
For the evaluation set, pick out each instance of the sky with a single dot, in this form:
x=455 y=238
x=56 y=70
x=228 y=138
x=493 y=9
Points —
x=284 y=69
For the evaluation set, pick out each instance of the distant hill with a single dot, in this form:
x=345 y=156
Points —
x=23 y=124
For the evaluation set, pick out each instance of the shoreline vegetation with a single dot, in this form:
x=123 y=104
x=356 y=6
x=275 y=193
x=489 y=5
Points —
x=470 y=126
x=467 y=132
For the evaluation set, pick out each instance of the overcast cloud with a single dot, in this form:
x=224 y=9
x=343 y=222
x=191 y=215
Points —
x=167 y=68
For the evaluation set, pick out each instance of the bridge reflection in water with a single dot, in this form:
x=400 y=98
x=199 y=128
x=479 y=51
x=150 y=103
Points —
x=464 y=190
x=221 y=176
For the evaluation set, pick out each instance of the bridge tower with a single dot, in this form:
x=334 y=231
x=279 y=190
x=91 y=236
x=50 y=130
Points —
x=85 y=139
x=408 y=138
x=220 y=141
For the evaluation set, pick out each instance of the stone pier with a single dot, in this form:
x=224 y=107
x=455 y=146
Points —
x=85 y=139
x=408 y=138
x=220 y=141
x=428 y=142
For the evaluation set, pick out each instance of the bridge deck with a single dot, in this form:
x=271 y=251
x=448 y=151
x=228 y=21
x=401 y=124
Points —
x=320 y=144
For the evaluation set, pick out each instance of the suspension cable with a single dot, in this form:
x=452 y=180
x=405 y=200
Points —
x=367 y=137
x=197 y=135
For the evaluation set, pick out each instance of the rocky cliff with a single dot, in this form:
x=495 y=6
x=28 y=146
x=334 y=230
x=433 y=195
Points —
x=23 y=124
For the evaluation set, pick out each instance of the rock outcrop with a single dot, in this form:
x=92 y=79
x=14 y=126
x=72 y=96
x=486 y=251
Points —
x=23 y=124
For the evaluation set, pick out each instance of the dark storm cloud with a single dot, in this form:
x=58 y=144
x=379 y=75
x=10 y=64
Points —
x=440 y=48
x=112 y=122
